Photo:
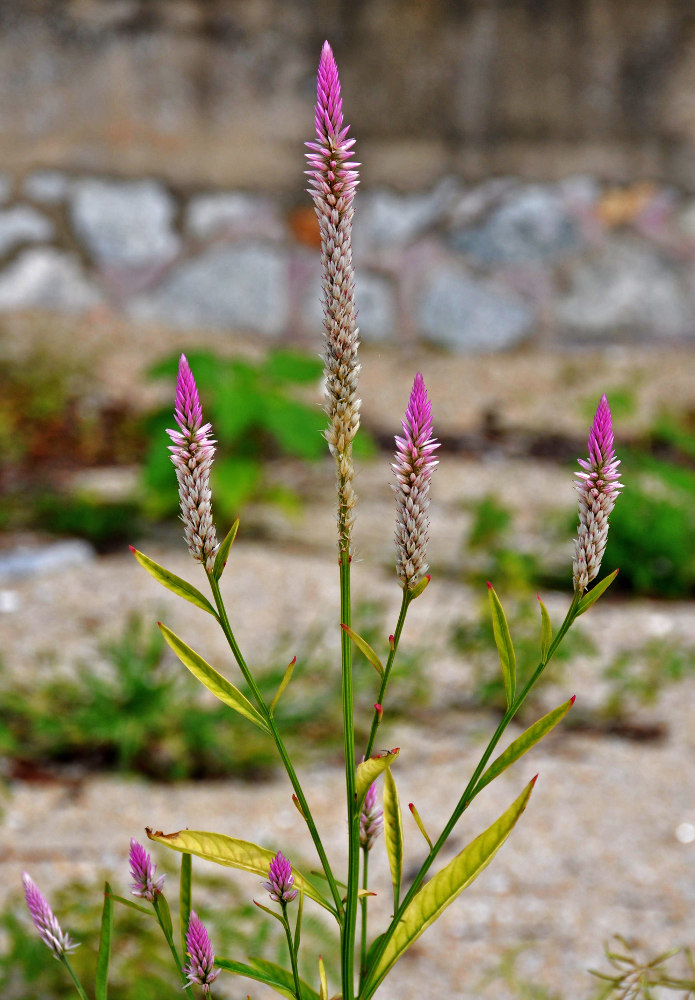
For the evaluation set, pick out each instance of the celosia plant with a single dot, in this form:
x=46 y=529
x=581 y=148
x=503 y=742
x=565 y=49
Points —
x=344 y=893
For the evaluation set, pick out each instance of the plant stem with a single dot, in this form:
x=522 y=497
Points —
x=78 y=985
x=469 y=793
x=282 y=750
x=350 y=921
x=405 y=603
x=293 y=954
x=363 y=907
x=172 y=946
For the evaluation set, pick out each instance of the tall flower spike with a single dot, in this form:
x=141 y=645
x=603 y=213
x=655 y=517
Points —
x=280 y=880
x=371 y=819
x=192 y=453
x=44 y=921
x=142 y=872
x=413 y=469
x=201 y=967
x=598 y=487
x=333 y=179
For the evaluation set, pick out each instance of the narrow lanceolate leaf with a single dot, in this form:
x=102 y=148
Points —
x=174 y=583
x=134 y=906
x=104 y=955
x=232 y=853
x=445 y=886
x=534 y=734
x=369 y=770
x=393 y=833
x=279 y=979
x=595 y=593
x=185 y=897
x=287 y=677
x=546 y=631
x=223 y=551
x=365 y=648
x=503 y=640
x=323 y=988
x=420 y=825
x=207 y=675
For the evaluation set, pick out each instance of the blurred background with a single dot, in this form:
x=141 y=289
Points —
x=525 y=236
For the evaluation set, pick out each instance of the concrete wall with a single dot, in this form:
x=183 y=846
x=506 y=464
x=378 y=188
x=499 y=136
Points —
x=219 y=93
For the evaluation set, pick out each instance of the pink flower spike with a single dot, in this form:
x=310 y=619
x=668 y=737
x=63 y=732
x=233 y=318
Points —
x=192 y=453
x=280 y=880
x=332 y=175
x=44 y=921
x=201 y=967
x=142 y=872
x=598 y=487
x=413 y=469
x=371 y=819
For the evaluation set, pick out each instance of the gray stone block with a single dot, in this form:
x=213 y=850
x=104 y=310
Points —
x=463 y=314
x=125 y=223
x=46 y=278
x=49 y=187
x=233 y=214
x=226 y=287
x=23 y=224
x=385 y=220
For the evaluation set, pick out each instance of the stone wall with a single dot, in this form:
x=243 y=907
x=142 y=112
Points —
x=218 y=92
x=466 y=267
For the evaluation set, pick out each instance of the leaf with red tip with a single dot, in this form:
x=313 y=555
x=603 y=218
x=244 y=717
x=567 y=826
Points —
x=174 y=583
x=420 y=587
x=595 y=593
x=369 y=770
x=505 y=647
x=364 y=648
x=443 y=888
x=534 y=734
x=420 y=825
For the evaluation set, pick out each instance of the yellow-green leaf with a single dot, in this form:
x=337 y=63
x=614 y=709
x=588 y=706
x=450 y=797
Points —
x=546 y=631
x=213 y=681
x=420 y=587
x=369 y=770
x=223 y=551
x=323 y=990
x=365 y=648
x=279 y=979
x=393 y=833
x=444 y=887
x=420 y=825
x=287 y=677
x=503 y=641
x=232 y=853
x=174 y=583
x=595 y=593
x=534 y=734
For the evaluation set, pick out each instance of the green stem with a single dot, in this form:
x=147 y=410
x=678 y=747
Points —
x=78 y=985
x=469 y=793
x=293 y=954
x=405 y=603
x=349 y=924
x=363 y=907
x=172 y=947
x=282 y=750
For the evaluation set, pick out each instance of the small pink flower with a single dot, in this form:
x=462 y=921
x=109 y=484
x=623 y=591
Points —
x=413 y=469
x=201 y=968
x=598 y=487
x=280 y=880
x=192 y=453
x=142 y=872
x=44 y=921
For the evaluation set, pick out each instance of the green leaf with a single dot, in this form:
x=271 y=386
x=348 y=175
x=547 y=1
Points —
x=546 y=631
x=174 y=583
x=420 y=825
x=365 y=648
x=534 y=734
x=323 y=991
x=163 y=912
x=279 y=979
x=393 y=833
x=223 y=551
x=503 y=640
x=232 y=853
x=266 y=909
x=595 y=593
x=207 y=675
x=445 y=886
x=292 y=366
x=420 y=587
x=185 y=897
x=102 y=973
x=287 y=677
x=369 y=770
x=131 y=904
